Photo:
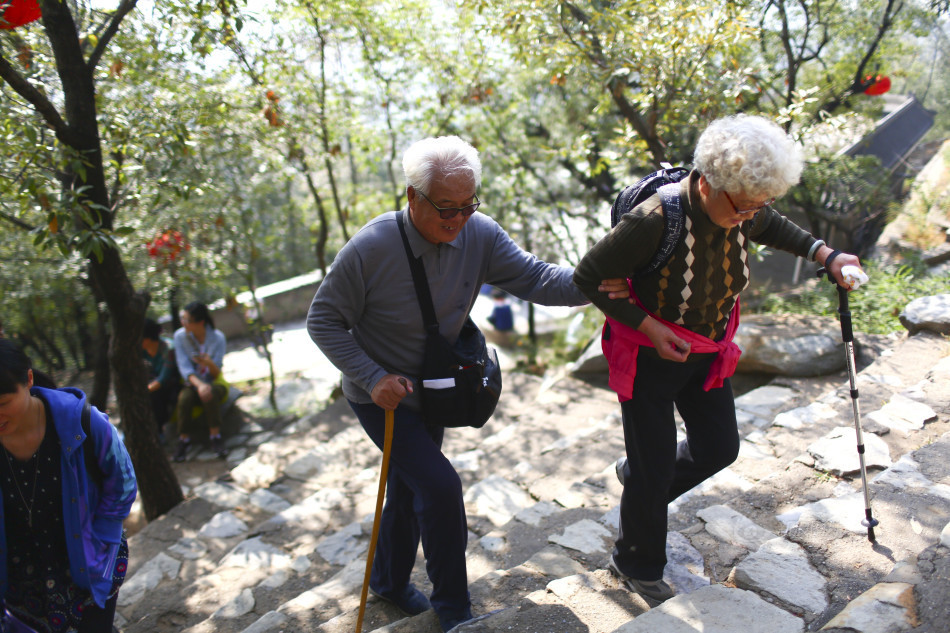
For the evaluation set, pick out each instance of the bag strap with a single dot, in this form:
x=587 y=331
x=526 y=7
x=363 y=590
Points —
x=673 y=227
x=420 y=280
x=88 y=451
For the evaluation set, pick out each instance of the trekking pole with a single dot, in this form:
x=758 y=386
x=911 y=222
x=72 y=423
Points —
x=847 y=335
x=387 y=449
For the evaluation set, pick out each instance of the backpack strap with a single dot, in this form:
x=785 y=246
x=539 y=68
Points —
x=89 y=450
x=672 y=227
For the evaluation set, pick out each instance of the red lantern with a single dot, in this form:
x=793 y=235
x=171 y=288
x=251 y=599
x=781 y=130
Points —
x=880 y=85
x=19 y=12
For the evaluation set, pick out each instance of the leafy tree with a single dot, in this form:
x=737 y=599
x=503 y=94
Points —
x=82 y=215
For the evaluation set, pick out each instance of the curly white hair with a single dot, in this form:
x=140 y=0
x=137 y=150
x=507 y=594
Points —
x=750 y=155
x=442 y=157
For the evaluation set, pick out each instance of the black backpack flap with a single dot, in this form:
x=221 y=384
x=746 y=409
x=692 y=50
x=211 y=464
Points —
x=640 y=191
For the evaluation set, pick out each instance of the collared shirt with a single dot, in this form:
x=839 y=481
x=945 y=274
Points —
x=365 y=316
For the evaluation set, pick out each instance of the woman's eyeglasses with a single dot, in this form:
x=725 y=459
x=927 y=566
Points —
x=447 y=213
x=752 y=210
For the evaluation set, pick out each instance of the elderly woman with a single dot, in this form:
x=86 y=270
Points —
x=67 y=485
x=670 y=343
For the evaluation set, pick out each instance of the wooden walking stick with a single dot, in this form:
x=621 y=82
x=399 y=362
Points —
x=387 y=449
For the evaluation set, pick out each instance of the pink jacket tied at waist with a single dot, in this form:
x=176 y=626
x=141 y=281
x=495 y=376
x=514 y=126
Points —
x=623 y=343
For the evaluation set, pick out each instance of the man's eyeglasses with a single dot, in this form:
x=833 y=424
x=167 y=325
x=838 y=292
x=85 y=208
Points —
x=448 y=213
x=752 y=210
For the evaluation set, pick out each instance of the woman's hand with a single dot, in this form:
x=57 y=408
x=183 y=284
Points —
x=204 y=392
x=840 y=261
x=390 y=390
x=668 y=345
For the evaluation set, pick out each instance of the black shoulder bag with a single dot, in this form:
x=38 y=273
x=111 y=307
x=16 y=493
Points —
x=461 y=383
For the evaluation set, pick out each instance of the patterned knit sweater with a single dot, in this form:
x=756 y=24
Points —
x=709 y=267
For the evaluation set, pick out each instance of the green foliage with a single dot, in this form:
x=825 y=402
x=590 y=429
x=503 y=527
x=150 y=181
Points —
x=875 y=307
x=846 y=200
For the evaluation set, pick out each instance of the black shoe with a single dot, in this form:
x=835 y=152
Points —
x=410 y=600
x=656 y=589
x=182 y=450
x=450 y=618
x=217 y=447
x=621 y=468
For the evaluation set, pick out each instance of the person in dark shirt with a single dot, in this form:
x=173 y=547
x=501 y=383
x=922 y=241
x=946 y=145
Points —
x=164 y=381
x=59 y=476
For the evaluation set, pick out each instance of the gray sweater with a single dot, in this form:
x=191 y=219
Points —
x=365 y=316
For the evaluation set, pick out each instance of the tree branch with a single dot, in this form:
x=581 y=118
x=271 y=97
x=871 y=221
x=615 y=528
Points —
x=121 y=11
x=15 y=221
x=37 y=99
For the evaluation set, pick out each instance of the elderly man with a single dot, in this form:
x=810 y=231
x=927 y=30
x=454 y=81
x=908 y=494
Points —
x=366 y=319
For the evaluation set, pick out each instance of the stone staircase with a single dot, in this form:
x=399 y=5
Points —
x=774 y=543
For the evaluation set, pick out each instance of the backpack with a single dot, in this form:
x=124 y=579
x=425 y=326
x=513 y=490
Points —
x=666 y=183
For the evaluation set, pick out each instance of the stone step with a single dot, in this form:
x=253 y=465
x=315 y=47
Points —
x=551 y=452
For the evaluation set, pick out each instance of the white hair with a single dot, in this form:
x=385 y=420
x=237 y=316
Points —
x=750 y=155
x=442 y=157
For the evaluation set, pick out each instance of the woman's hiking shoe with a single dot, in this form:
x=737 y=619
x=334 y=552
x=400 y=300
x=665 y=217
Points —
x=410 y=600
x=181 y=451
x=656 y=589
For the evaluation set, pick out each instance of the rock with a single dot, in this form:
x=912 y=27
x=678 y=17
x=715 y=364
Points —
x=732 y=527
x=344 y=546
x=147 y=578
x=781 y=569
x=223 y=525
x=533 y=515
x=715 y=609
x=584 y=536
x=591 y=360
x=887 y=606
x=837 y=452
x=222 y=494
x=241 y=604
x=268 y=501
x=498 y=499
x=763 y=402
x=790 y=345
x=927 y=313
x=256 y=554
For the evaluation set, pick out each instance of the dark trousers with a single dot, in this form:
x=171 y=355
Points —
x=188 y=399
x=423 y=500
x=659 y=468
x=162 y=400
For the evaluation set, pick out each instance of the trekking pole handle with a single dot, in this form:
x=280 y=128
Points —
x=844 y=312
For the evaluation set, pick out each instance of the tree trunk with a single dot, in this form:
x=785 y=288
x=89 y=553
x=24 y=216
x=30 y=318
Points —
x=156 y=479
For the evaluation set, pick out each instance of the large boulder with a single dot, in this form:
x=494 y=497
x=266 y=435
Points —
x=790 y=345
x=927 y=313
x=787 y=345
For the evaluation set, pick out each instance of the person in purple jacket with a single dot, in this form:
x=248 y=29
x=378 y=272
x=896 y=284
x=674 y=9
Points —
x=64 y=493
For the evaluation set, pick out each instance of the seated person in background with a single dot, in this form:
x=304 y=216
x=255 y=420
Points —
x=501 y=316
x=199 y=353
x=164 y=381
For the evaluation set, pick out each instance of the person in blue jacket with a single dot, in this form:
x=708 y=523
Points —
x=63 y=554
